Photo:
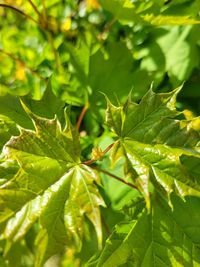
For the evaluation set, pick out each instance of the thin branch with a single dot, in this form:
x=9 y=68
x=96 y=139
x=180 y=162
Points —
x=91 y=161
x=22 y=62
x=115 y=177
x=35 y=8
x=10 y=55
x=19 y=11
x=80 y=119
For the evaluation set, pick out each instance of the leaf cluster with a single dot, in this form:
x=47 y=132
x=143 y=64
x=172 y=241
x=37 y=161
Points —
x=99 y=179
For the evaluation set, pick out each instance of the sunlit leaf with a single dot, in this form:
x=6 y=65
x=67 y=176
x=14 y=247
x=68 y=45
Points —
x=51 y=186
x=152 y=141
x=170 y=20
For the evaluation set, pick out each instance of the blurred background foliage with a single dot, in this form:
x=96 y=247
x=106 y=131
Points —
x=87 y=47
x=55 y=53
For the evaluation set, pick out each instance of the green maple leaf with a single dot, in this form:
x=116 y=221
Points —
x=161 y=238
x=51 y=186
x=152 y=141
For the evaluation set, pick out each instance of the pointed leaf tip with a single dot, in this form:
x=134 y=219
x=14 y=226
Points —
x=153 y=142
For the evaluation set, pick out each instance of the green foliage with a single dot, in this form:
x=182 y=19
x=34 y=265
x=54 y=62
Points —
x=162 y=238
x=152 y=142
x=96 y=169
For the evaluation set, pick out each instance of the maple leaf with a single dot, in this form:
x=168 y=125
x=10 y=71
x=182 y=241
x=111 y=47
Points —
x=152 y=141
x=51 y=186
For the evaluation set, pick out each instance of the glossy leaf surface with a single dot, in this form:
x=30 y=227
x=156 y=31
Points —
x=51 y=185
x=153 y=141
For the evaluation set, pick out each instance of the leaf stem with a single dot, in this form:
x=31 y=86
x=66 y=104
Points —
x=115 y=177
x=80 y=119
x=19 y=11
x=91 y=161
x=108 y=148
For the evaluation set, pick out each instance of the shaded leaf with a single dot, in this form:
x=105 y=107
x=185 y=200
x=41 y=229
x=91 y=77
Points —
x=47 y=106
x=122 y=10
x=162 y=238
x=10 y=107
x=118 y=61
